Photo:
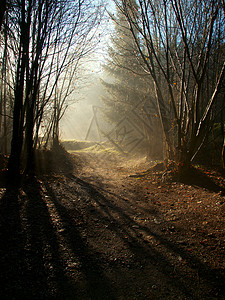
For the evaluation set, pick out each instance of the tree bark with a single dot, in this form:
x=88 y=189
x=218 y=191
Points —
x=2 y=12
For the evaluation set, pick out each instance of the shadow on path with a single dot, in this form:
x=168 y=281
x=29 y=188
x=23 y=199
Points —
x=204 y=280
x=42 y=253
x=45 y=254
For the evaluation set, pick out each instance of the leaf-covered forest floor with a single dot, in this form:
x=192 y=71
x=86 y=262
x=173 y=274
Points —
x=99 y=227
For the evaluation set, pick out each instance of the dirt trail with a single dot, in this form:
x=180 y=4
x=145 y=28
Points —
x=98 y=233
x=141 y=244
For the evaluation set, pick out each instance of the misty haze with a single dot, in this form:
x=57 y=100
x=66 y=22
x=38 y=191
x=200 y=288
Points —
x=112 y=144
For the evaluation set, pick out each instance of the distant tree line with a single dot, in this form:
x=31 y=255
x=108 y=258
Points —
x=129 y=90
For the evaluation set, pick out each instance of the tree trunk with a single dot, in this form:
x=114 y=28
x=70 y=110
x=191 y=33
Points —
x=29 y=143
x=18 y=113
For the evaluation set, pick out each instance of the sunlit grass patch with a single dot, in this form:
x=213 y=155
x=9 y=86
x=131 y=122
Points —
x=99 y=148
x=76 y=144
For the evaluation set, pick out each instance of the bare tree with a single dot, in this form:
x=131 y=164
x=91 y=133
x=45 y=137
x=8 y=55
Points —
x=176 y=41
x=44 y=32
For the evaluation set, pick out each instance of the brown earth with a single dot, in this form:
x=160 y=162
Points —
x=102 y=228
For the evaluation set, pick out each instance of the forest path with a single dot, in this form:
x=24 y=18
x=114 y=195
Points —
x=97 y=233
x=143 y=239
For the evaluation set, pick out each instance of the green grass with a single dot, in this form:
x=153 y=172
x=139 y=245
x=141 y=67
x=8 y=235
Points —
x=76 y=144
